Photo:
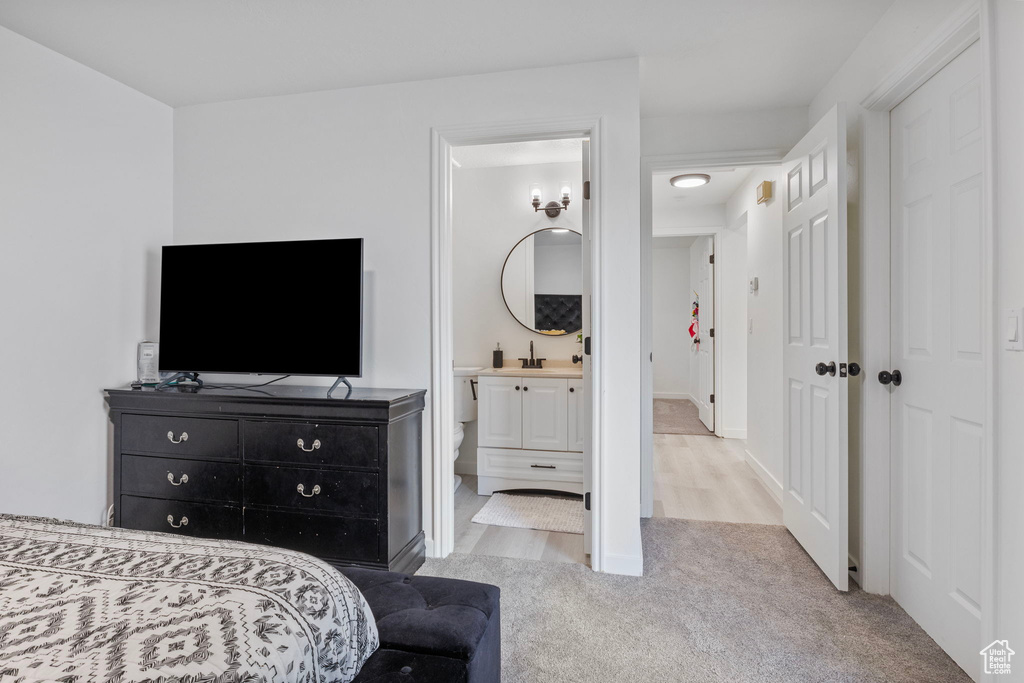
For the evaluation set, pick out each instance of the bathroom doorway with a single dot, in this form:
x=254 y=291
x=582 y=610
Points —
x=521 y=300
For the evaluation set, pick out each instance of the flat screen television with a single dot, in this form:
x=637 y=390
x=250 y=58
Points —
x=289 y=308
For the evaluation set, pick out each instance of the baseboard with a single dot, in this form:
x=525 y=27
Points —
x=468 y=467
x=734 y=433
x=428 y=544
x=627 y=565
x=672 y=396
x=773 y=485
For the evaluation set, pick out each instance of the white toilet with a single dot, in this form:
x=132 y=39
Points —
x=465 y=409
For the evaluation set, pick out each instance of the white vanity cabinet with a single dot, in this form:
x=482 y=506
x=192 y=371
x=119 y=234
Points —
x=530 y=434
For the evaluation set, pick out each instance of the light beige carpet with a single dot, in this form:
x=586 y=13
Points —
x=678 y=416
x=533 y=512
x=718 y=602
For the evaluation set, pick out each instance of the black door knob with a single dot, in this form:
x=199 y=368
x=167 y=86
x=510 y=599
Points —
x=821 y=368
x=895 y=377
x=854 y=369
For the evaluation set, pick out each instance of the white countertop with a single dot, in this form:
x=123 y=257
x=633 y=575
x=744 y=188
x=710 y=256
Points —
x=555 y=372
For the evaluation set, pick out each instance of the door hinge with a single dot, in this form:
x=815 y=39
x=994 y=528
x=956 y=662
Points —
x=586 y=345
x=586 y=500
x=712 y=332
x=586 y=190
x=712 y=398
x=711 y=259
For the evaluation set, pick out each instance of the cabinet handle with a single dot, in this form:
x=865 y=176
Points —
x=517 y=387
x=183 y=437
x=544 y=467
x=316 y=445
x=572 y=389
x=183 y=522
x=526 y=388
x=302 y=490
x=183 y=480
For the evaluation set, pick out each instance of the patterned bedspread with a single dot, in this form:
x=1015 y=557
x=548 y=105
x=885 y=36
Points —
x=84 y=604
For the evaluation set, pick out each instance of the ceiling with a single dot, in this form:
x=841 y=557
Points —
x=695 y=55
x=671 y=200
x=519 y=153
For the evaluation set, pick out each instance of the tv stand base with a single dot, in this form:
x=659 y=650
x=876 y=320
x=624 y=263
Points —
x=338 y=381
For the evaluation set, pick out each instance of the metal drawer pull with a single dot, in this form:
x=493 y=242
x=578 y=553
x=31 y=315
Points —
x=302 y=445
x=183 y=480
x=544 y=467
x=170 y=437
x=302 y=489
x=183 y=522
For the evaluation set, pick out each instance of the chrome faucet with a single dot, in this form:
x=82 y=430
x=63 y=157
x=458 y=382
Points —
x=531 y=362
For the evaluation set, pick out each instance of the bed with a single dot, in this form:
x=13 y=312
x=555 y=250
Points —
x=82 y=604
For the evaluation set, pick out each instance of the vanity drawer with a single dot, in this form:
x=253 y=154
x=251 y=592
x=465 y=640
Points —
x=203 y=519
x=182 y=437
x=181 y=479
x=537 y=465
x=353 y=494
x=316 y=445
x=341 y=538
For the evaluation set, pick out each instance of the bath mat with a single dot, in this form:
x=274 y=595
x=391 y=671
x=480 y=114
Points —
x=533 y=512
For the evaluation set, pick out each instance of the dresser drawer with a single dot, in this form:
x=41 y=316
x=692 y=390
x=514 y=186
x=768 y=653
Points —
x=316 y=445
x=181 y=517
x=182 y=437
x=181 y=479
x=353 y=494
x=341 y=538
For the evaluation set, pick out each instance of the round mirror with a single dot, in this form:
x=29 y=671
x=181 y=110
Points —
x=542 y=281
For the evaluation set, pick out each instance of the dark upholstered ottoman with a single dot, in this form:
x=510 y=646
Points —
x=431 y=630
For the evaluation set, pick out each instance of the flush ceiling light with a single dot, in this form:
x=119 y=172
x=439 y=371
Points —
x=690 y=180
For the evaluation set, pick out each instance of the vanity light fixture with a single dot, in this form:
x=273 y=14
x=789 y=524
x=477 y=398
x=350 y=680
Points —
x=690 y=180
x=552 y=208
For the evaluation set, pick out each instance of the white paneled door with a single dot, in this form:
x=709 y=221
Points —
x=815 y=437
x=705 y=247
x=938 y=407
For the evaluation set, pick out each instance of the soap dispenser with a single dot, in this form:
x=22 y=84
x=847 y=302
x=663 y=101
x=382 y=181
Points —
x=498 y=360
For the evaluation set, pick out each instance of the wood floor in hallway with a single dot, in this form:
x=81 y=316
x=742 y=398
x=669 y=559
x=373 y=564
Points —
x=707 y=478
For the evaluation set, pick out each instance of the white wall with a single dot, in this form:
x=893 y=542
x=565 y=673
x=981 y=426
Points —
x=85 y=202
x=688 y=217
x=672 y=298
x=491 y=212
x=763 y=325
x=723 y=131
x=1006 y=19
x=356 y=162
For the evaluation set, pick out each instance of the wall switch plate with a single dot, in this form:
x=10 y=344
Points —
x=1013 y=333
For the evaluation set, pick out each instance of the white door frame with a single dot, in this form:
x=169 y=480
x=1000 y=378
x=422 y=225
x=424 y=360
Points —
x=442 y=471
x=648 y=167
x=969 y=24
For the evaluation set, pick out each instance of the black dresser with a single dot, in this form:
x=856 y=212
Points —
x=339 y=478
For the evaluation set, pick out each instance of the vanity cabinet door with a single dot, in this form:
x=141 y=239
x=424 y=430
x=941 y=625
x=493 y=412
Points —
x=545 y=413
x=576 y=421
x=501 y=412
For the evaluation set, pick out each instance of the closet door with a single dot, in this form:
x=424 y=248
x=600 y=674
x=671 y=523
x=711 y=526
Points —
x=938 y=347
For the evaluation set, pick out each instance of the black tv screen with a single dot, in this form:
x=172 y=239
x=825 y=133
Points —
x=290 y=308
